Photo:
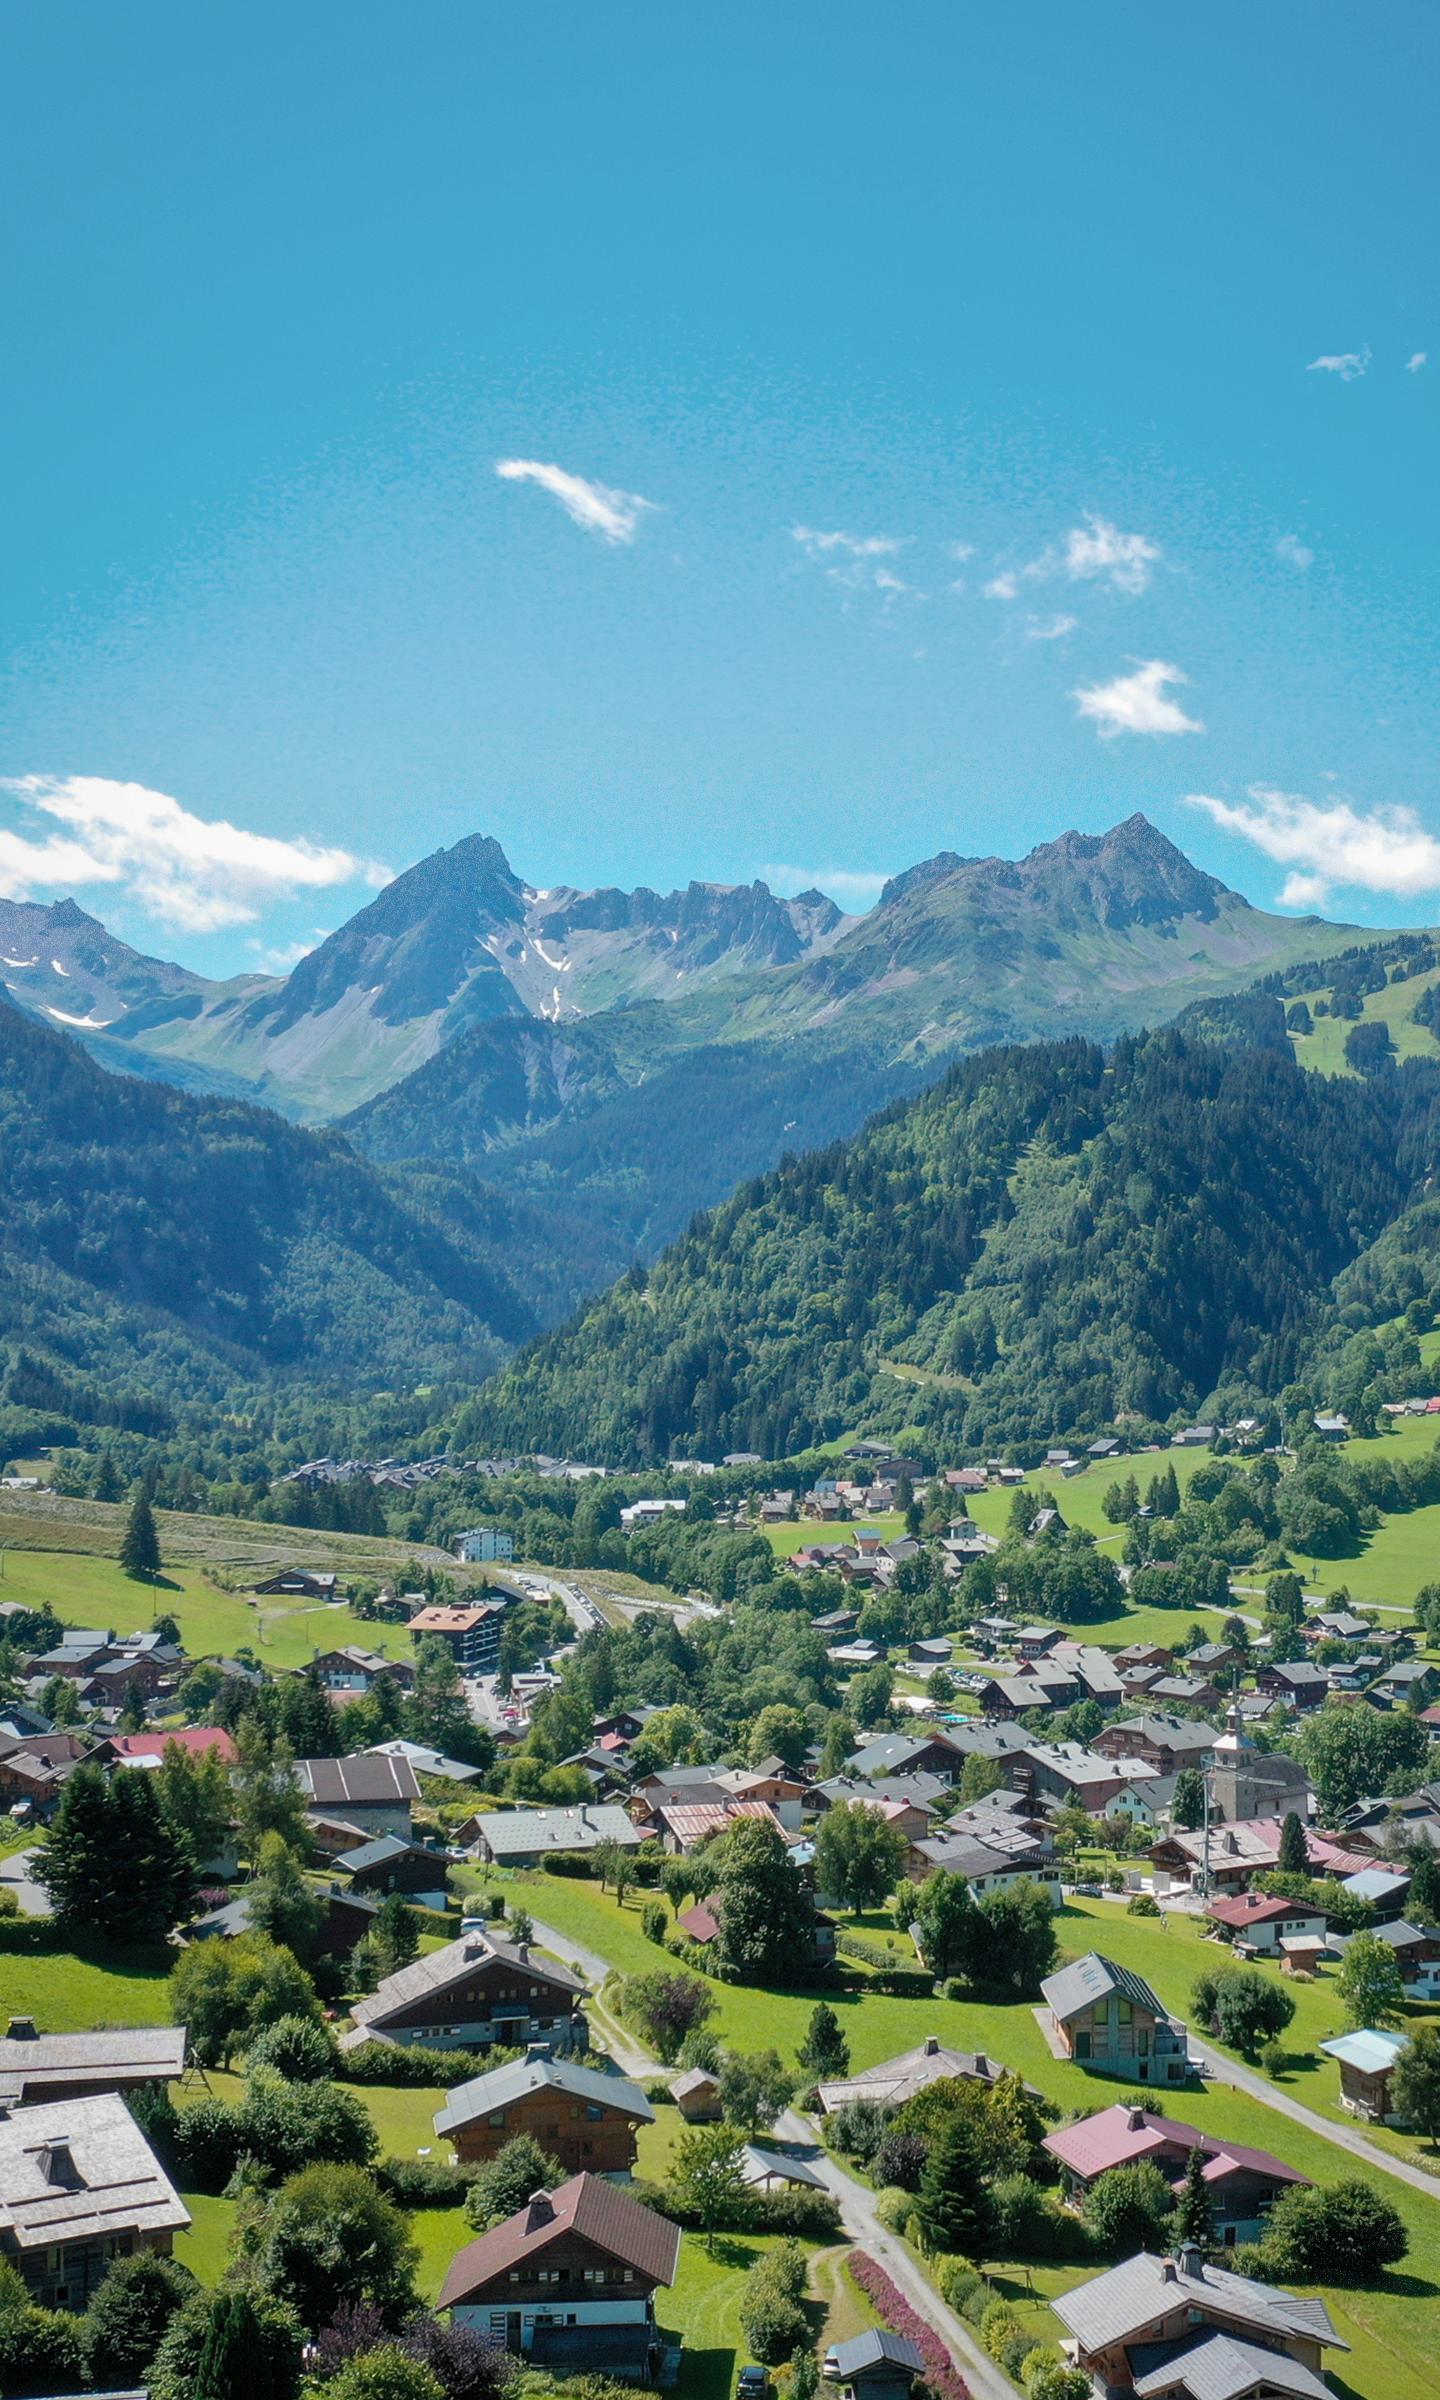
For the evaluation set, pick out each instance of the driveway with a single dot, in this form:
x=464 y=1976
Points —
x=627 y=2053
x=32 y=1898
x=857 y=2215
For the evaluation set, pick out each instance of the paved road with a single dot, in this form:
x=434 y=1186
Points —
x=32 y=1898
x=1330 y=2129
x=857 y=2214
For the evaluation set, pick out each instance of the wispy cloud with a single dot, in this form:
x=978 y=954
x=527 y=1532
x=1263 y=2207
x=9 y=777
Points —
x=1095 y=551
x=1049 y=629
x=855 y=545
x=1332 y=842
x=854 y=560
x=1137 y=703
x=1417 y=360
x=277 y=958
x=599 y=507
x=1349 y=365
x=1294 y=552
x=182 y=870
x=841 y=883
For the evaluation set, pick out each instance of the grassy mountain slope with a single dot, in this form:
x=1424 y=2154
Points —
x=1043 y=1239
x=158 y=1248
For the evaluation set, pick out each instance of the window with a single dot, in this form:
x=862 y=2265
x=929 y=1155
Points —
x=1124 y=2012
x=496 y=2117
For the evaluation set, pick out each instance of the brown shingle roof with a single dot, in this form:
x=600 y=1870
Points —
x=438 y=1969
x=587 y=2206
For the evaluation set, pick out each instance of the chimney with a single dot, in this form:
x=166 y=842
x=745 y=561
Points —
x=1136 y=2120
x=57 y=2165
x=1191 y=2263
x=538 y=2211
x=1167 y=2271
x=982 y=2064
x=931 y=2045
x=21 y=2029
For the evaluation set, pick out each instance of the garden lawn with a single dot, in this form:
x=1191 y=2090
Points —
x=66 y=1994
x=784 y=1540
x=87 y=1590
x=704 y=2307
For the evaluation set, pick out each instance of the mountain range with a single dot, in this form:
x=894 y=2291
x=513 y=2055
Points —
x=633 y=1055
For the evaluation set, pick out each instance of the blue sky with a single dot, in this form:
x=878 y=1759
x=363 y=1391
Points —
x=1026 y=303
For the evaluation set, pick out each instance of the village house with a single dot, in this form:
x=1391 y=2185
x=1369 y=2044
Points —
x=1367 y=2060
x=992 y=1865
x=1010 y=1697
x=896 y=2080
x=1241 y=2185
x=1259 y=1925
x=1068 y=1774
x=1158 y=2327
x=485 y=1546
x=1410 y=1683
x=586 y=2120
x=521 y=1837
x=298 y=1583
x=371 y=1792
x=80 y=2187
x=889 y=1754
x=570 y=2281
x=1238 y=1853
x=1417 y=1954
x=353 y=1670
x=1167 y=1744
x=391 y=1864
x=1297 y=1682
x=38 y=2067
x=473 y=1992
x=1107 y=2019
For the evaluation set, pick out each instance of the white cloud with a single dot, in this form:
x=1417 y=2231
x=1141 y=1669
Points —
x=1417 y=360
x=960 y=551
x=1349 y=365
x=1376 y=850
x=279 y=957
x=599 y=507
x=1294 y=552
x=1094 y=551
x=182 y=870
x=841 y=883
x=1099 y=548
x=853 y=560
x=1049 y=629
x=1137 y=703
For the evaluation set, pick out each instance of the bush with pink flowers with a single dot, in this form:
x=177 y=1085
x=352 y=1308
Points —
x=894 y=2310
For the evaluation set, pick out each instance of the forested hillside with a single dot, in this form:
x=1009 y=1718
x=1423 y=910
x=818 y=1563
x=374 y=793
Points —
x=158 y=1249
x=1045 y=1239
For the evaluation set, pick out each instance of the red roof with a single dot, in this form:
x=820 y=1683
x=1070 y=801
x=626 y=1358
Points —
x=700 y=1922
x=196 y=1739
x=1259 y=1908
x=1124 y=2135
x=587 y=2206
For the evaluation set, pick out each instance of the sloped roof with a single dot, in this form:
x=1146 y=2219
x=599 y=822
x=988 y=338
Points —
x=1121 y=2135
x=438 y=1969
x=365 y=1781
x=1217 y=2366
x=518 y=2077
x=131 y=2053
x=869 y=2349
x=1093 y=1978
x=589 y=2208
x=1117 y=2306
x=78 y=2170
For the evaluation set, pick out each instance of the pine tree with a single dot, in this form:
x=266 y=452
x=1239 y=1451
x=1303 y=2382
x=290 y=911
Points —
x=825 y=2051
x=1294 y=1856
x=1192 y=2221
x=954 y=2202
x=140 y=1543
x=132 y=1710
x=113 y=1866
x=106 y=1484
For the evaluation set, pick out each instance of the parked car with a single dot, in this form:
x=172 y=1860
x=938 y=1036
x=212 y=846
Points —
x=752 y=2383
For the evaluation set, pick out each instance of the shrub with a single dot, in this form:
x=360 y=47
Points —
x=128 y=2315
x=296 y=2048
x=1274 y=2058
x=423 y=2182
x=942 y=2377
x=654 y=1921
x=1143 y=1905
x=40 y=2351
x=1127 y=2209
x=901 y=2158
x=386 y=2373
x=859 y=2128
x=506 y=2182
x=1003 y=2334
x=895 y=2207
x=573 y=1863
x=959 y=2283
x=280 y=2126
x=1336 y=2234
x=772 y=2312
x=1028 y=2224
x=392 y=2063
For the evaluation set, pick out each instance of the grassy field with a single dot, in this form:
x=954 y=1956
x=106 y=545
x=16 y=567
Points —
x=1323 y=1050
x=1390 y=2329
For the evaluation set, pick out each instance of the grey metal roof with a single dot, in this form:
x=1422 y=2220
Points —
x=520 y=1832
x=1117 y=2306
x=504 y=2085
x=869 y=2349
x=130 y=2053
x=1093 y=1978
x=74 y=2170
x=364 y=1781
x=1217 y=2366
